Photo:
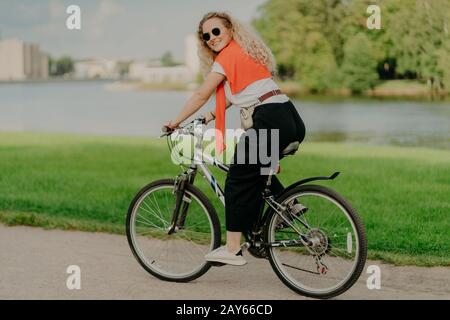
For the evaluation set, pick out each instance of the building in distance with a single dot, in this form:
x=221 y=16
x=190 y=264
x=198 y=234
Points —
x=21 y=61
x=150 y=72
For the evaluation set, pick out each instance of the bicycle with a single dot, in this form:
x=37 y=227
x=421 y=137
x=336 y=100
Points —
x=319 y=253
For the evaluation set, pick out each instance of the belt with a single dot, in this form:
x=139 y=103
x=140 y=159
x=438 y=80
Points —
x=269 y=94
x=264 y=97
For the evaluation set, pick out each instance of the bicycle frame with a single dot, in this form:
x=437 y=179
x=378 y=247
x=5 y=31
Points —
x=199 y=163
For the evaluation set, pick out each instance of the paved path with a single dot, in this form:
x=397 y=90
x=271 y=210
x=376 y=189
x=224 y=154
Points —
x=33 y=264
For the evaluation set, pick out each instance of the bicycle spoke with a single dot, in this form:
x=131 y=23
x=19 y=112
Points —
x=147 y=221
x=156 y=214
x=180 y=254
x=330 y=259
x=195 y=245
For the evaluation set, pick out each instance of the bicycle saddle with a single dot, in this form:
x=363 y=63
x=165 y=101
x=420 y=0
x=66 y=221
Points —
x=291 y=148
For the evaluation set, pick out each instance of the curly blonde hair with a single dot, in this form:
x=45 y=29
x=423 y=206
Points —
x=248 y=40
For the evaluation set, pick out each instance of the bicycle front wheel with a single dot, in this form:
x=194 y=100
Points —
x=179 y=256
x=335 y=251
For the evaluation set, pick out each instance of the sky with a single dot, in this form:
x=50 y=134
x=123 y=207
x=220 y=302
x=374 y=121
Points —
x=115 y=29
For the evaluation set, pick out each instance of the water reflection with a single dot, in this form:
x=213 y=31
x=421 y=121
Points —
x=406 y=140
x=89 y=107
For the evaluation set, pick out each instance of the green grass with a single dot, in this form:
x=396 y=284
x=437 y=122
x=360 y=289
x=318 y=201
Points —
x=87 y=182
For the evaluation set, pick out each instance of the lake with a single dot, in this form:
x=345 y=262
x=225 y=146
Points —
x=91 y=107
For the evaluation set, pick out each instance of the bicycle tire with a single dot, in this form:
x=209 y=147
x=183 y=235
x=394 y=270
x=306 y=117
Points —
x=362 y=254
x=210 y=210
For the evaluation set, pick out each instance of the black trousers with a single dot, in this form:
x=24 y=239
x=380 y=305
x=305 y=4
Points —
x=245 y=182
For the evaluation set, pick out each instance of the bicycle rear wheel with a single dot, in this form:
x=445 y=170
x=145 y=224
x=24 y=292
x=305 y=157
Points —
x=179 y=256
x=336 y=253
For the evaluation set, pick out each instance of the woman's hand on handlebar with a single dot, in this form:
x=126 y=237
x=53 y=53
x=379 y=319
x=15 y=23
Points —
x=169 y=127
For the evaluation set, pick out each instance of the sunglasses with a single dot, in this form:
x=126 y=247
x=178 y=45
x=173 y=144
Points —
x=206 y=36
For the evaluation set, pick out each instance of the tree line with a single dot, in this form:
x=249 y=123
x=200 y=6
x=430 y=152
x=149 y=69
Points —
x=326 y=44
x=65 y=65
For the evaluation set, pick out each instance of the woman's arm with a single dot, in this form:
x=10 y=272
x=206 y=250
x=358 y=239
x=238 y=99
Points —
x=198 y=98
x=209 y=116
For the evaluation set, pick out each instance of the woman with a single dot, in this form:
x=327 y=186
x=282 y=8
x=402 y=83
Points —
x=238 y=66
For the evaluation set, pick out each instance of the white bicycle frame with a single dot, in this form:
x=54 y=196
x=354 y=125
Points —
x=201 y=159
x=195 y=128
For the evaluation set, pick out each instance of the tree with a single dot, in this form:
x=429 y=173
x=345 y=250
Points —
x=359 y=66
x=167 y=59
x=317 y=70
x=413 y=41
x=286 y=25
x=61 y=66
x=443 y=67
x=355 y=21
x=326 y=16
x=420 y=33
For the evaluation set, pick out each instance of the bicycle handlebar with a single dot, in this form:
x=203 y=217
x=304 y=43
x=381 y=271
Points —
x=186 y=129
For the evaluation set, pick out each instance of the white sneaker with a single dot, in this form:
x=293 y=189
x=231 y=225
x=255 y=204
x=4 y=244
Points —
x=222 y=255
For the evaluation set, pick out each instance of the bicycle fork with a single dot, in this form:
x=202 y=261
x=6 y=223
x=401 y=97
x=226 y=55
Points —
x=182 y=200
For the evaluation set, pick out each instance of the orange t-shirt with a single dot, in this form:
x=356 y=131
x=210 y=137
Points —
x=241 y=70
